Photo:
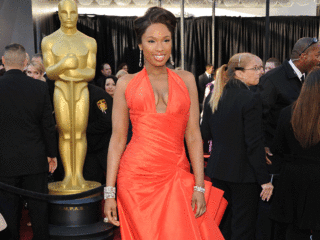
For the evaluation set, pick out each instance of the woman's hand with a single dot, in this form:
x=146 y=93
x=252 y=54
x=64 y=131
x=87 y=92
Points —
x=110 y=210
x=198 y=199
x=266 y=192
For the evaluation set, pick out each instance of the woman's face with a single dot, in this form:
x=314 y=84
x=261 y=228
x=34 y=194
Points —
x=252 y=72
x=34 y=73
x=156 y=44
x=110 y=86
x=125 y=67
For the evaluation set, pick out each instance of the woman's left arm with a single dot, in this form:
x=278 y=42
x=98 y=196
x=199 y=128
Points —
x=194 y=142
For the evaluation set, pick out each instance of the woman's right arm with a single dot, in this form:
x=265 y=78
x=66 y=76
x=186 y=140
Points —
x=120 y=123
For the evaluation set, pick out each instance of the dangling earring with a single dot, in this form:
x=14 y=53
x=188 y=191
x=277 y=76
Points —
x=171 y=61
x=140 y=59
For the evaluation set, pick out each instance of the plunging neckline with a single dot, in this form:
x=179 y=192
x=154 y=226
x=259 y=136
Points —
x=154 y=97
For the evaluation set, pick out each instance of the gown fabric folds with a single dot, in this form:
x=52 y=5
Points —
x=155 y=185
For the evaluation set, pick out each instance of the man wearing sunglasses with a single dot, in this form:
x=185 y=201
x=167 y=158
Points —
x=279 y=88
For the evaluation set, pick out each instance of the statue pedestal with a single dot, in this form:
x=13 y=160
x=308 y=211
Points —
x=78 y=219
x=56 y=188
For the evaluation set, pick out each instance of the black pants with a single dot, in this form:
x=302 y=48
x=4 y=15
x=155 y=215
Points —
x=94 y=166
x=5 y=234
x=38 y=209
x=239 y=220
x=294 y=233
x=267 y=229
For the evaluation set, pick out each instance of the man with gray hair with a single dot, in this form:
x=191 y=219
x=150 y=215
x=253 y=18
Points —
x=27 y=142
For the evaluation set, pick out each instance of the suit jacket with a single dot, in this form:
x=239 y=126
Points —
x=27 y=130
x=51 y=85
x=203 y=81
x=99 y=123
x=279 y=88
x=237 y=138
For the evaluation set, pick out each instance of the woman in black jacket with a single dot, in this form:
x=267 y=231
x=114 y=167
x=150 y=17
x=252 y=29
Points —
x=233 y=120
x=297 y=139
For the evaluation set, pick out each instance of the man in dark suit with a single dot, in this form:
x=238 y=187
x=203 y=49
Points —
x=105 y=70
x=279 y=88
x=98 y=134
x=204 y=79
x=27 y=141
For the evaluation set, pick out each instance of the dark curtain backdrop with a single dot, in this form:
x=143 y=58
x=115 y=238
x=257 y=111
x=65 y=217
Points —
x=43 y=25
x=117 y=42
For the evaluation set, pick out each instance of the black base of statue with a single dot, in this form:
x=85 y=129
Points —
x=78 y=219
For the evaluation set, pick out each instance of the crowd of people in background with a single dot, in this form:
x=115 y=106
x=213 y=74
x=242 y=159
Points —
x=262 y=124
x=281 y=114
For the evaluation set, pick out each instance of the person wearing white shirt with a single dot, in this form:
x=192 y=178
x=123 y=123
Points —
x=204 y=79
x=279 y=88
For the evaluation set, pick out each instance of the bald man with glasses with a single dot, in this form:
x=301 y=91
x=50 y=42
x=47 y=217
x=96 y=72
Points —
x=279 y=88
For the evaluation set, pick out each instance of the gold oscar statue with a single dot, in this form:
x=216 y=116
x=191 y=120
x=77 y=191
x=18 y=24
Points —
x=70 y=60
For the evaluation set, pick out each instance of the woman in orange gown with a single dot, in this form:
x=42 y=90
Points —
x=158 y=198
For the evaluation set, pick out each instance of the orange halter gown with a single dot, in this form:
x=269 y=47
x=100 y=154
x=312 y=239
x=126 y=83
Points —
x=155 y=185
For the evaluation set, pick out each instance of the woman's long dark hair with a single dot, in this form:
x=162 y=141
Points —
x=102 y=83
x=305 y=118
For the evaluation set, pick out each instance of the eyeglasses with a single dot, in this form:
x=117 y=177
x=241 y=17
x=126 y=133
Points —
x=255 y=68
x=313 y=40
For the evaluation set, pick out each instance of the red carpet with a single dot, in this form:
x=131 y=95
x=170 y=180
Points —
x=25 y=231
x=117 y=235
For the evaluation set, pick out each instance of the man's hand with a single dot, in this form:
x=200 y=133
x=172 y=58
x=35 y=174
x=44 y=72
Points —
x=268 y=153
x=53 y=163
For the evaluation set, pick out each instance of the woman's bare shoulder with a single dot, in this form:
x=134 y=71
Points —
x=124 y=80
x=186 y=76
